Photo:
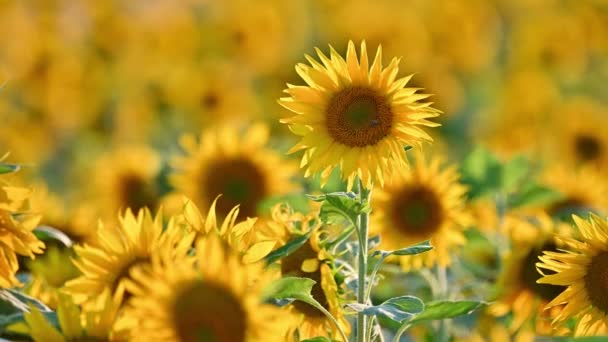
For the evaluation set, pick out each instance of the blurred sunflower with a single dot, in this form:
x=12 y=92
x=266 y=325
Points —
x=16 y=225
x=234 y=164
x=49 y=273
x=580 y=267
x=93 y=323
x=519 y=291
x=426 y=203
x=311 y=261
x=583 y=190
x=121 y=248
x=213 y=92
x=126 y=178
x=213 y=297
x=355 y=116
x=579 y=138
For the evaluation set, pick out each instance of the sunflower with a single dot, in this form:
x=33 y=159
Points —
x=126 y=178
x=49 y=273
x=582 y=189
x=237 y=166
x=16 y=237
x=119 y=249
x=579 y=138
x=580 y=267
x=213 y=92
x=355 y=116
x=94 y=323
x=311 y=261
x=212 y=297
x=426 y=203
x=245 y=238
x=518 y=290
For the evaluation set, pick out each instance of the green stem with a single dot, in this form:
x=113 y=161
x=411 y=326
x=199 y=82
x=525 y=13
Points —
x=363 y=225
x=332 y=318
x=401 y=331
x=443 y=292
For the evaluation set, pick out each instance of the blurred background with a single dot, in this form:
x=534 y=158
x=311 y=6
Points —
x=83 y=79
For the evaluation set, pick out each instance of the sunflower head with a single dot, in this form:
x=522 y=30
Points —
x=16 y=225
x=426 y=203
x=355 y=116
x=237 y=166
x=211 y=297
x=580 y=268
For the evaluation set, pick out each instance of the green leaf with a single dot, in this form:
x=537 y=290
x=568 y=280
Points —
x=408 y=147
x=397 y=309
x=337 y=208
x=515 y=172
x=288 y=248
x=534 y=194
x=290 y=288
x=421 y=247
x=482 y=172
x=323 y=197
x=317 y=339
x=446 y=309
x=9 y=168
x=9 y=320
x=29 y=301
x=46 y=233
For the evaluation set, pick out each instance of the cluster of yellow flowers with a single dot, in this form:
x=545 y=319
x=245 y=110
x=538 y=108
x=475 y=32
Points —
x=158 y=195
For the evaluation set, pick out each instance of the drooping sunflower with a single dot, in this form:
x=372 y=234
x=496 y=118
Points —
x=580 y=267
x=519 y=292
x=92 y=323
x=212 y=297
x=16 y=237
x=237 y=166
x=355 y=116
x=311 y=261
x=426 y=203
x=119 y=249
x=126 y=178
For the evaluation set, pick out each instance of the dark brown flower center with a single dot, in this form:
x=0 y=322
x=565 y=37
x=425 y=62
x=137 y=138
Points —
x=136 y=193
x=596 y=281
x=358 y=117
x=204 y=311
x=210 y=101
x=291 y=266
x=587 y=148
x=529 y=274
x=417 y=211
x=239 y=181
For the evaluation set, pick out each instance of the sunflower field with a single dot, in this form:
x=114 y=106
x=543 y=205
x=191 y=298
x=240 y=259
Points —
x=303 y=170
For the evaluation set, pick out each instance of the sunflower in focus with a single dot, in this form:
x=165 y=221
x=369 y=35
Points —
x=426 y=203
x=355 y=116
x=93 y=323
x=247 y=239
x=212 y=297
x=16 y=237
x=126 y=178
x=519 y=291
x=234 y=164
x=122 y=247
x=311 y=261
x=580 y=269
